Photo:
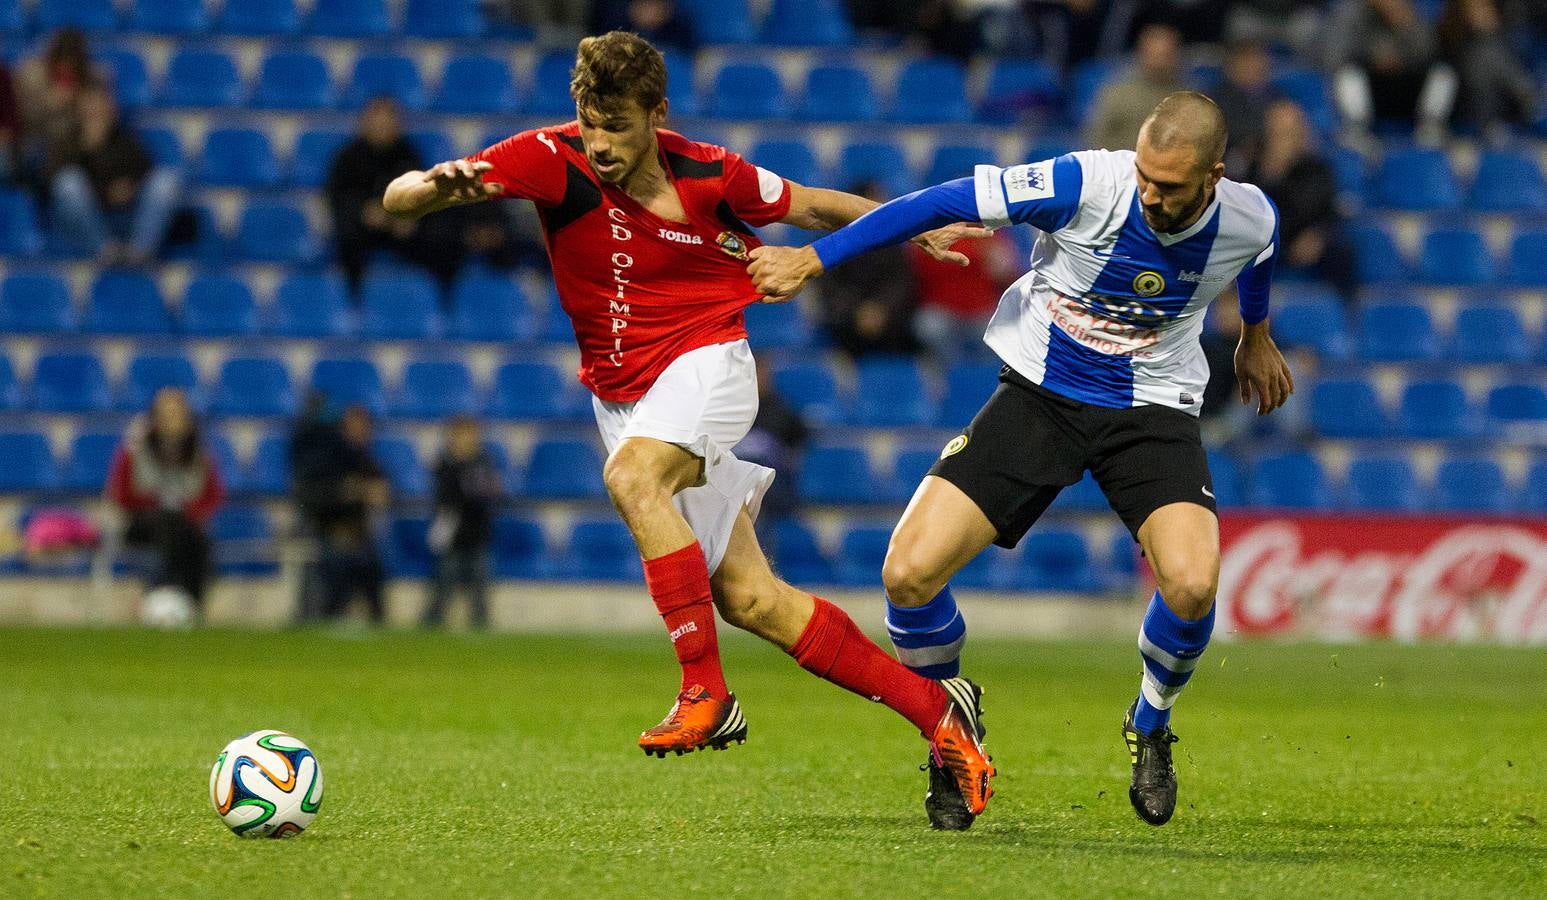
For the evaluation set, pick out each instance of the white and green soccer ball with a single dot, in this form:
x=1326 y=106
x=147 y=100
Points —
x=266 y=784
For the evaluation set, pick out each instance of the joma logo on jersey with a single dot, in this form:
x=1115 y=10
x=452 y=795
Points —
x=680 y=237
x=1199 y=277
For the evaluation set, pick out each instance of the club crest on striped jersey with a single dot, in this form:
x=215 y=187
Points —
x=1148 y=283
x=955 y=446
x=732 y=244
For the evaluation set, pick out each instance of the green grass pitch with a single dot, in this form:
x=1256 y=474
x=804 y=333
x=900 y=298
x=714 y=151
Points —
x=501 y=765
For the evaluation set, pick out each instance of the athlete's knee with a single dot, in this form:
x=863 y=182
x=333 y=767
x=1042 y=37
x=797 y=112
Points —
x=909 y=581
x=632 y=482
x=751 y=604
x=1190 y=592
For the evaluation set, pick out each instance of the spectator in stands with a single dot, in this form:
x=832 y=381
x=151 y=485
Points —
x=661 y=22
x=108 y=195
x=1221 y=415
x=164 y=485
x=341 y=490
x=1304 y=187
x=48 y=86
x=1069 y=32
x=1123 y=105
x=467 y=490
x=1288 y=23
x=1386 y=69
x=777 y=436
x=955 y=303
x=1496 y=89
x=868 y=303
x=10 y=129
x=1243 y=93
x=556 y=21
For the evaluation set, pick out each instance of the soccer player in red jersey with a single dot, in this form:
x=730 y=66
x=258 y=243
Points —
x=649 y=235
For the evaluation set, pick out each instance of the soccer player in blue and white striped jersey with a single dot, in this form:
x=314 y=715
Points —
x=1103 y=371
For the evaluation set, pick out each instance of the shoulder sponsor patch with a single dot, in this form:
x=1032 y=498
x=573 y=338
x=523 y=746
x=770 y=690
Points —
x=1033 y=181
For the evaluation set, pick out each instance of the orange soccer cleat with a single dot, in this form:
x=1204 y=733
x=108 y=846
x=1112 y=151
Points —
x=957 y=748
x=697 y=720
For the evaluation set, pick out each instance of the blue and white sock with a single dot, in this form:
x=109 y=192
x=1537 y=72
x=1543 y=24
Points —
x=928 y=638
x=1170 y=647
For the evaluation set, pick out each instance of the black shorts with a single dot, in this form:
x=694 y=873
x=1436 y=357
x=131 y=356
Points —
x=1027 y=443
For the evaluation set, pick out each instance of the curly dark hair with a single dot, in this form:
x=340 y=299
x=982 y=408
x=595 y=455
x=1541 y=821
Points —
x=616 y=67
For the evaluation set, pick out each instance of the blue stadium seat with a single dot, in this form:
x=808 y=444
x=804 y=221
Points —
x=476 y=84
x=219 y=306
x=565 y=469
x=29 y=462
x=400 y=461
x=797 y=554
x=36 y=303
x=313 y=156
x=890 y=392
x=1417 y=179
x=87 y=15
x=1056 y=560
x=10 y=387
x=244 y=540
x=1377 y=256
x=253 y=386
x=1016 y=86
x=931 y=90
x=130 y=77
x=293 y=79
x=860 y=555
x=808 y=23
x=201 y=78
x=1318 y=324
x=1528 y=259
x=967 y=387
x=1226 y=475
x=882 y=162
x=1084 y=495
x=91 y=456
x=1291 y=480
x=270 y=472
x=1518 y=403
x=1533 y=494
x=488 y=307
x=534 y=391
x=432 y=145
x=1348 y=408
x=206 y=245
x=311 y=306
x=19 y=231
x=839 y=475
x=385 y=75
x=348 y=382
x=69 y=383
x=238 y=157
x=839 y=93
x=909 y=467
x=1351 y=173
x=275 y=232
x=1471 y=484
x=792 y=159
x=259 y=18
x=953 y=161
x=1455 y=256
x=163 y=145
x=777 y=325
x=1382 y=483
x=401 y=305
x=436 y=389
x=550 y=84
x=181 y=17
x=350 y=18
x=1486 y=334
x=1436 y=410
x=747 y=90
x=721 y=21
x=442 y=19
x=1507 y=182
x=1397 y=332
x=681 y=83
x=232 y=473
x=601 y=550
x=519 y=548
x=149 y=373
x=1308 y=88
x=811 y=388
x=126 y=302
x=406 y=551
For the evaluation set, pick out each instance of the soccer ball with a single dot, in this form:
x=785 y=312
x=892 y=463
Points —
x=167 y=608
x=266 y=784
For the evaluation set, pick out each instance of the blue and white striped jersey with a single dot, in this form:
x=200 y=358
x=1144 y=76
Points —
x=1110 y=312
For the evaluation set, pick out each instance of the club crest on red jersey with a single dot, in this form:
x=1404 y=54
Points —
x=732 y=243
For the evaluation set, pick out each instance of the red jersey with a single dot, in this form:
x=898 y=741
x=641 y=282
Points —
x=641 y=290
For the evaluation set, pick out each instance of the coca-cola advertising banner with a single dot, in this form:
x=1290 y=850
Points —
x=1410 y=578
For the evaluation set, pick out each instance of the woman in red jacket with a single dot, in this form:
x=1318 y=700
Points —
x=165 y=482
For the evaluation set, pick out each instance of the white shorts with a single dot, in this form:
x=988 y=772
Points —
x=704 y=402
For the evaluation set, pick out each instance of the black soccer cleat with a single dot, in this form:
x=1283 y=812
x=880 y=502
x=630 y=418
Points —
x=1153 y=788
x=943 y=800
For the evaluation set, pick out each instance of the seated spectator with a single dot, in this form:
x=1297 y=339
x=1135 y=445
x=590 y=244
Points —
x=1304 y=187
x=869 y=302
x=164 y=484
x=10 y=129
x=108 y=196
x=1123 y=105
x=340 y=490
x=1242 y=95
x=1496 y=89
x=1385 y=67
x=556 y=21
x=661 y=22
x=467 y=491
x=48 y=86
x=956 y=303
x=777 y=436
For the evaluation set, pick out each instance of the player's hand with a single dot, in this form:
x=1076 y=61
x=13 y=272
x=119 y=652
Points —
x=1260 y=369
x=779 y=273
x=462 y=181
x=938 y=243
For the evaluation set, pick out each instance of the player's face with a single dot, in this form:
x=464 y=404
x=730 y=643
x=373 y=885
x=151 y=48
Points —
x=1173 y=187
x=618 y=140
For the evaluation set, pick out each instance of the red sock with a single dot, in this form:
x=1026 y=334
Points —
x=679 y=585
x=833 y=647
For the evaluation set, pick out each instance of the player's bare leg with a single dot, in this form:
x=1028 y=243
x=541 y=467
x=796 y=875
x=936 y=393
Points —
x=827 y=643
x=642 y=475
x=1181 y=541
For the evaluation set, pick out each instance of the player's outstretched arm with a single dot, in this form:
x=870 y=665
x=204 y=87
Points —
x=452 y=183
x=820 y=209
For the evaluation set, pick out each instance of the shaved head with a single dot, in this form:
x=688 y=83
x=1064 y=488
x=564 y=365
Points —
x=1187 y=120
